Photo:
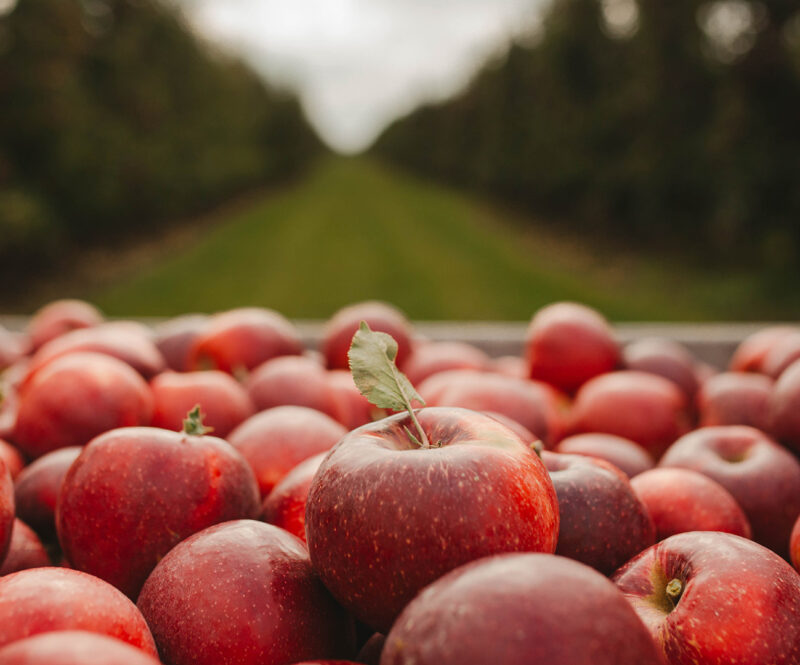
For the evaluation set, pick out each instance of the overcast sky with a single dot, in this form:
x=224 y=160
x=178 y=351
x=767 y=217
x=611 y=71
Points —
x=359 y=64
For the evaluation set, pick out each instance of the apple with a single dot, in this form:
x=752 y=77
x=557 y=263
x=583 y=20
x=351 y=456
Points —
x=73 y=647
x=9 y=404
x=735 y=398
x=750 y=354
x=76 y=397
x=59 y=317
x=602 y=521
x=567 y=344
x=37 y=488
x=174 y=339
x=794 y=545
x=6 y=509
x=339 y=330
x=433 y=357
x=783 y=352
x=716 y=599
x=762 y=476
x=242 y=339
x=682 y=500
x=639 y=406
x=242 y=592
x=627 y=456
x=510 y=366
x=223 y=401
x=285 y=505
x=533 y=404
x=370 y=653
x=784 y=408
x=520 y=609
x=13 y=347
x=26 y=551
x=276 y=440
x=353 y=409
x=12 y=458
x=41 y=600
x=665 y=358
x=292 y=380
x=127 y=341
x=136 y=492
x=386 y=516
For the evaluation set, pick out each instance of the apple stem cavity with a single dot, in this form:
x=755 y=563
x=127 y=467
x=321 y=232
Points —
x=372 y=363
x=674 y=590
x=193 y=423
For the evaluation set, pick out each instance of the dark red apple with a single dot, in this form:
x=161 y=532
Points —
x=59 y=317
x=76 y=397
x=275 y=441
x=73 y=647
x=642 y=407
x=136 y=492
x=242 y=339
x=749 y=355
x=37 y=488
x=567 y=344
x=716 y=599
x=386 y=516
x=127 y=341
x=353 y=409
x=681 y=500
x=735 y=398
x=26 y=551
x=370 y=653
x=665 y=358
x=533 y=404
x=223 y=401
x=6 y=509
x=285 y=505
x=292 y=380
x=520 y=609
x=12 y=458
x=762 y=476
x=602 y=521
x=382 y=317
x=433 y=357
x=174 y=339
x=41 y=600
x=243 y=592
x=783 y=352
x=627 y=456
x=784 y=408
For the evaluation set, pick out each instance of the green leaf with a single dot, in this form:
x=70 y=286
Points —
x=376 y=376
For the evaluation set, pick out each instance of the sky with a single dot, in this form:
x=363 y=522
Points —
x=357 y=65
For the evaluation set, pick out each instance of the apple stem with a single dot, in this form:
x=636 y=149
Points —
x=674 y=590
x=193 y=423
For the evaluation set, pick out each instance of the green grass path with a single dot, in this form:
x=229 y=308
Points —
x=353 y=229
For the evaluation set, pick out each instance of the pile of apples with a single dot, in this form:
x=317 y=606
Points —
x=209 y=491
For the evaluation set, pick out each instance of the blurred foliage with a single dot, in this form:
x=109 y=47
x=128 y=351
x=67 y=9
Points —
x=666 y=124
x=114 y=116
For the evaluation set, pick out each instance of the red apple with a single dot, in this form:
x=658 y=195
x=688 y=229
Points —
x=627 y=456
x=353 y=409
x=794 y=545
x=242 y=592
x=275 y=441
x=716 y=599
x=127 y=341
x=382 y=317
x=41 y=600
x=9 y=404
x=223 y=401
x=385 y=516
x=174 y=339
x=783 y=352
x=292 y=380
x=75 y=398
x=665 y=358
x=735 y=398
x=749 y=355
x=37 y=489
x=520 y=609
x=682 y=500
x=762 y=476
x=642 y=407
x=567 y=344
x=6 y=509
x=602 y=521
x=285 y=505
x=510 y=366
x=134 y=493
x=784 y=408
x=370 y=653
x=73 y=647
x=12 y=458
x=534 y=405
x=59 y=317
x=242 y=339
x=26 y=551
x=432 y=357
